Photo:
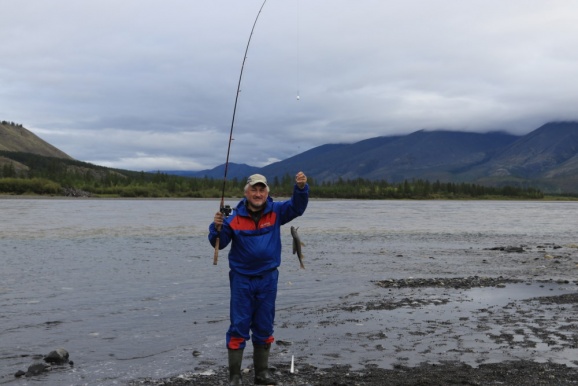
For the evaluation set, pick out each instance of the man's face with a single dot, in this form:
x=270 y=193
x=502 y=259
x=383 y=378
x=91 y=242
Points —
x=256 y=196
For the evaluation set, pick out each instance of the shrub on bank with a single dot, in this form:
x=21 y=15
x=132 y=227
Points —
x=29 y=186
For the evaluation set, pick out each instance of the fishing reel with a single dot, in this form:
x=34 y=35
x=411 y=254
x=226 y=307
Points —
x=226 y=210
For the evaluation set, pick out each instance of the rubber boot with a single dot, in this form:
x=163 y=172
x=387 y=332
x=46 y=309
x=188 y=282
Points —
x=235 y=360
x=261 y=364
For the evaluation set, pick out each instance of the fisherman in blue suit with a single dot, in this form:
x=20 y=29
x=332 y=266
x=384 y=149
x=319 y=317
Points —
x=254 y=231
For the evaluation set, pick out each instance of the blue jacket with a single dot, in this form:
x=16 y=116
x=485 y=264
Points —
x=256 y=248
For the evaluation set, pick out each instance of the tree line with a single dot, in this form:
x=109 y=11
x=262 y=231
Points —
x=7 y=123
x=53 y=176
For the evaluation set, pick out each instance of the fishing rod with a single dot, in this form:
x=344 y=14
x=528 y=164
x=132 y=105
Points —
x=226 y=209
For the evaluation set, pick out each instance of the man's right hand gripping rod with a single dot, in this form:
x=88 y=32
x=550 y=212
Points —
x=225 y=211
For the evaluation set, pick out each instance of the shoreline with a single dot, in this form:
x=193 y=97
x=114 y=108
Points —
x=281 y=198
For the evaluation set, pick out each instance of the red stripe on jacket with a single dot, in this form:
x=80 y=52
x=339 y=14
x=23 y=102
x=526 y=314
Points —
x=241 y=223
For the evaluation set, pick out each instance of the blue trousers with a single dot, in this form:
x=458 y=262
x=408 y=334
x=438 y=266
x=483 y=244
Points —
x=252 y=309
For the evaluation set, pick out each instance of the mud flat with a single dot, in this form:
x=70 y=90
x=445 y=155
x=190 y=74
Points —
x=504 y=316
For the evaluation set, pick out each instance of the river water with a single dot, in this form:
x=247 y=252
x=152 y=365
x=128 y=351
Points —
x=128 y=287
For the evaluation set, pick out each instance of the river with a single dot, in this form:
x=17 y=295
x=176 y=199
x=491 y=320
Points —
x=128 y=287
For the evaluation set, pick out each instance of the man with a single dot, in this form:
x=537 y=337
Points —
x=254 y=231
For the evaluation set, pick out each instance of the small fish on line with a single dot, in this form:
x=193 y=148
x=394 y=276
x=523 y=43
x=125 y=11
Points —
x=297 y=244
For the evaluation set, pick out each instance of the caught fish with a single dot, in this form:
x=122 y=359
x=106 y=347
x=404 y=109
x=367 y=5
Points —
x=297 y=244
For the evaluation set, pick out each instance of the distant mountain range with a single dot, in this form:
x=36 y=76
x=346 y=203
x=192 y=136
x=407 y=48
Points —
x=546 y=158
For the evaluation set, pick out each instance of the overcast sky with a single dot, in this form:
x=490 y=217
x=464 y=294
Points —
x=151 y=84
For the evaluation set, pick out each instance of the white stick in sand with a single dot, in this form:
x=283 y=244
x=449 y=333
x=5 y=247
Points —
x=292 y=364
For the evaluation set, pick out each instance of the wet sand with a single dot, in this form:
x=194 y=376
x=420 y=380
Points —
x=509 y=318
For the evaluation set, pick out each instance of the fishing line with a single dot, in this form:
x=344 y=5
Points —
x=298 y=49
x=226 y=209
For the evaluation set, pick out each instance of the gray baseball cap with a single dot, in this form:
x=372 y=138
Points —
x=257 y=179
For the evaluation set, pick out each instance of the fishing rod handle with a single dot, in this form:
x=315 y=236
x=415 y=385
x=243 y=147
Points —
x=216 y=255
x=217 y=242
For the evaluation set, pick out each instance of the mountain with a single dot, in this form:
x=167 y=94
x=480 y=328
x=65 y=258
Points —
x=233 y=171
x=15 y=138
x=546 y=158
x=421 y=155
x=546 y=150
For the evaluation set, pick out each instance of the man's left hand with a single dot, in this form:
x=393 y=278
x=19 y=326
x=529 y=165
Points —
x=300 y=180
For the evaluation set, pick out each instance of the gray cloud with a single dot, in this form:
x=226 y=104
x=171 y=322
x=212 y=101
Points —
x=150 y=84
